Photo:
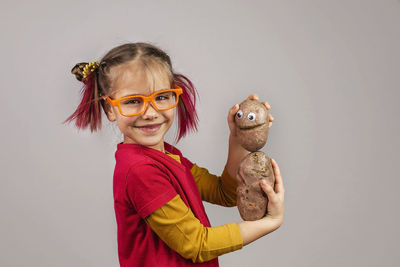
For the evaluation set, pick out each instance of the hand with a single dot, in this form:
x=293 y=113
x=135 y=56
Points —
x=235 y=108
x=275 y=197
x=252 y=230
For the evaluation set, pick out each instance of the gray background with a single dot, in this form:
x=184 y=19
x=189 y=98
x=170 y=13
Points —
x=329 y=69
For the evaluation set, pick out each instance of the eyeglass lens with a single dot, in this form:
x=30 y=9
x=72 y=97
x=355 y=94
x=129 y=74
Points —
x=136 y=104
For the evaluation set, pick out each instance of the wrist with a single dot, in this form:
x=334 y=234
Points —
x=274 y=222
x=252 y=230
x=234 y=144
x=236 y=153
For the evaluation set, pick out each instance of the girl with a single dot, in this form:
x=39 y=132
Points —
x=158 y=193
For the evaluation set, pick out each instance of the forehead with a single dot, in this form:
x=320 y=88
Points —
x=138 y=77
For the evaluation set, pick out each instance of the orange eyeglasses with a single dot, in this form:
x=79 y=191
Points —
x=136 y=104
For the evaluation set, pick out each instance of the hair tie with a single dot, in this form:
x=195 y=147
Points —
x=91 y=66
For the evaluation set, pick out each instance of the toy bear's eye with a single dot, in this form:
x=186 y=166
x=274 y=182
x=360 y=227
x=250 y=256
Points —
x=239 y=114
x=251 y=116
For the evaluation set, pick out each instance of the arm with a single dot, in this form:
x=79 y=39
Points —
x=220 y=190
x=252 y=230
x=177 y=226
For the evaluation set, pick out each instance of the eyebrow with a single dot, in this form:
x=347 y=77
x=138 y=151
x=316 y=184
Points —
x=143 y=95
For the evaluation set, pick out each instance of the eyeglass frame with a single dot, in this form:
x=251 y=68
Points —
x=117 y=102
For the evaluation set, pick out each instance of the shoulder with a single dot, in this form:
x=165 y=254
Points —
x=133 y=161
x=142 y=166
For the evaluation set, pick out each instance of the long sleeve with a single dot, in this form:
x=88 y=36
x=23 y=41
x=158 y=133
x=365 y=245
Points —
x=220 y=190
x=177 y=226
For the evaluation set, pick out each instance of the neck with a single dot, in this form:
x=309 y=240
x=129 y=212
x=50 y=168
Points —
x=159 y=146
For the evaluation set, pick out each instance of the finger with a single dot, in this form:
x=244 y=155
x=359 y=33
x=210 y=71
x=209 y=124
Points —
x=253 y=97
x=279 y=188
x=231 y=115
x=268 y=106
x=270 y=118
x=268 y=190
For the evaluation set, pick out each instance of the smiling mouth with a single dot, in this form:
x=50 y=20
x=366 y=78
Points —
x=154 y=125
x=149 y=128
x=252 y=127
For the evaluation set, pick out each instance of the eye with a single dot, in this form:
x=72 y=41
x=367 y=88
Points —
x=162 y=97
x=132 y=101
x=251 y=116
x=239 y=114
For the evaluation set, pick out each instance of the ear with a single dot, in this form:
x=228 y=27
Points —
x=109 y=110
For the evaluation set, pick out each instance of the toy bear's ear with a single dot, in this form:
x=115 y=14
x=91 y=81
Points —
x=77 y=70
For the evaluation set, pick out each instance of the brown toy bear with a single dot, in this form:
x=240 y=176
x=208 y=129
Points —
x=252 y=130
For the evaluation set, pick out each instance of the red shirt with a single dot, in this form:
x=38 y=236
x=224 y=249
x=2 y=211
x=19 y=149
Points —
x=144 y=180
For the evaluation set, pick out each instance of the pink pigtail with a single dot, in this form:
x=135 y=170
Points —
x=187 y=115
x=88 y=112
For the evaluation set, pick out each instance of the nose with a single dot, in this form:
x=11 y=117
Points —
x=150 y=112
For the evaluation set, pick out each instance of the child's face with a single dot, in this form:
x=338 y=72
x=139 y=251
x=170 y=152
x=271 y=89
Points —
x=149 y=127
